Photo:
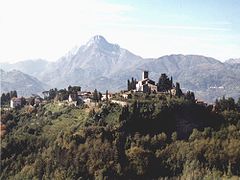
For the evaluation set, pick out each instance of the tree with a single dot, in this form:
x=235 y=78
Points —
x=139 y=160
x=131 y=85
x=106 y=95
x=128 y=85
x=8 y=97
x=238 y=104
x=95 y=95
x=3 y=99
x=63 y=94
x=52 y=93
x=164 y=83
x=74 y=88
x=13 y=94
x=190 y=96
x=99 y=96
x=225 y=104
x=24 y=102
x=178 y=90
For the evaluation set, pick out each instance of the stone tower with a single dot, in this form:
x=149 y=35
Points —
x=144 y=75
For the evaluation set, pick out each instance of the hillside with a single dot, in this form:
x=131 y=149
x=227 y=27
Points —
x=155 y=136
x=24 y=84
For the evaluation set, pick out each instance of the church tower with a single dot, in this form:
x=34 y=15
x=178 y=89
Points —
x=144 y=75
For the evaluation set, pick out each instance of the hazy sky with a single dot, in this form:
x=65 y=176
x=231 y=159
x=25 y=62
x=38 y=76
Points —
x=47 y=29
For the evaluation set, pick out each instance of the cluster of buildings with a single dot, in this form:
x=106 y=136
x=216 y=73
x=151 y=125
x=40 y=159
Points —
x=86 y=97
x=146 y=85
x=80 y=97
x=74 y=98
x=18 y=102
x=74 y=95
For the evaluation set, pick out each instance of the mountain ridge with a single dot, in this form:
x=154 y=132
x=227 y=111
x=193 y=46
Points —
x=103 y=65
x=24 y=84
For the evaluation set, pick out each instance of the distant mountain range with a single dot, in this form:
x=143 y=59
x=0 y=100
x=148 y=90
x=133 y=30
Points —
x=25 y=85
x=31 y=67
x=233 y=61
x=103 y=65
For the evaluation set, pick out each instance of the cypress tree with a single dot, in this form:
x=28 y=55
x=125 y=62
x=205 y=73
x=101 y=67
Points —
x=95 y=95
x=106 y=95
x=178 y=90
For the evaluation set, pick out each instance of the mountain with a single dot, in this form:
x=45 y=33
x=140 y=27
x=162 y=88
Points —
x=32 y=67
x=25 y=85
x=95 y=62
x=206 y=76
x=233 y=61
x=106 y=66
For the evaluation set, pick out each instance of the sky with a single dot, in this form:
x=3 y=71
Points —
x=48 y=29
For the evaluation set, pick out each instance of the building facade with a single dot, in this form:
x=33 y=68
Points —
x=146 y=85
x=16 y=102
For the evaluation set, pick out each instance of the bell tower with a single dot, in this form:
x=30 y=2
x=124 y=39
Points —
x=144 y=75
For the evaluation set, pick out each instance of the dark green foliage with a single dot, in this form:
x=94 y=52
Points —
x=99 y=96
x=178 y=90
x=131 y=85
x=74 y=89
x=107 y=95
x=225 y=104
x=52 y=94
x=95 y=95
x=153 y=137
x=5 y=98
x=164 y=83
x=62 y=94
x=190 y=96
x=13 y=94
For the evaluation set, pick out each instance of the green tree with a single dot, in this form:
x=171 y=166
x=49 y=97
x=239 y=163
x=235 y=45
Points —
x=99 y=96
x=128 y=85
x=95 y=95
x=52 y=93
x=164 y=83
x=13 y=94
x=178 y=90
x=190 y=96
x=3 y=99
x=225 y=104
x=107 y=95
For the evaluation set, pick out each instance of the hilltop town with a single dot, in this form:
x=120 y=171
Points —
x=73 y=95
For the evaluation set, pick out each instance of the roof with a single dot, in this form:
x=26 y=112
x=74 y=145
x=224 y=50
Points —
x=148 y=81
x=16 y=98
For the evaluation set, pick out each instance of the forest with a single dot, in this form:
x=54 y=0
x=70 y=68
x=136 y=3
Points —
x=154 y=137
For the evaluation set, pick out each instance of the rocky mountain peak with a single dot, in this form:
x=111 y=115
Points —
x=98 y=40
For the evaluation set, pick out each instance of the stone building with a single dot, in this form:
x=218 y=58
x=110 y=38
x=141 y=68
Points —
x=15 y=102
x=146 y=85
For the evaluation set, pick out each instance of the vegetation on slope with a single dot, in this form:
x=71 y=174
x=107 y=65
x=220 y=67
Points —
x=145 y=140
